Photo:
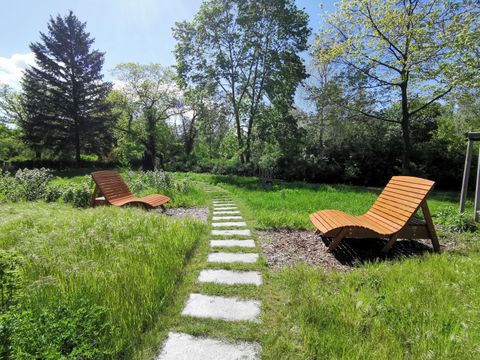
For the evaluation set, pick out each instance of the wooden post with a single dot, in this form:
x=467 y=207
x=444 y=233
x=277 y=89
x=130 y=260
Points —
x=477 y=191
x=466 y=175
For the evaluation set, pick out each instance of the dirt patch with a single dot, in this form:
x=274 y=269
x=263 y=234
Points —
x=287 y=247
x=200 y=214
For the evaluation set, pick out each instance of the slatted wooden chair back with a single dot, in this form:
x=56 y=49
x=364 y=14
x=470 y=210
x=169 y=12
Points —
x=111 y=184
x=399 y=201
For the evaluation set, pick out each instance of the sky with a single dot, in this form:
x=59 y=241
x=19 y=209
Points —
x=126 y=30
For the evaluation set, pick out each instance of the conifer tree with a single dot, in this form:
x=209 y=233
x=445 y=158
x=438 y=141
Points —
x=64 y=93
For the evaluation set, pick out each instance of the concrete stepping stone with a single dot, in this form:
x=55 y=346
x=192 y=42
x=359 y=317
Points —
x=216 y=218
x=232 y=243
x=245 y=232
x=229 y=277
x=225 y=208
x=228 y=257
x=224 y=308
x=229 y=223
x=224 y=212
x=181 y=346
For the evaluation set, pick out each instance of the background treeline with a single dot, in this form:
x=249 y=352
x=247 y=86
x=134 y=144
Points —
x=390 y=87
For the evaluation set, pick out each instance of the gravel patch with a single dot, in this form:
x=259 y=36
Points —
x=287 y=247
x=200 y=214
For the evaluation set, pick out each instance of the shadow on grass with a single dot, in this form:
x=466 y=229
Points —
x=354 y=252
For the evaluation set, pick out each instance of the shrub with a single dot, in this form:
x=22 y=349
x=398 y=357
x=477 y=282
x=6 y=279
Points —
x=76 y=194
x=33 y=182
x=453 y=221
x=10 y=190
x=60 y=328
x=156 y=181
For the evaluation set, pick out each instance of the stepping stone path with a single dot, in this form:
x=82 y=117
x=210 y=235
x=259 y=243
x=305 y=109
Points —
x=180 y=346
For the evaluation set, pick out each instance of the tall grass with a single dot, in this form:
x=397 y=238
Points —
x=425 y=308
x=288 y=205
x=90 y=281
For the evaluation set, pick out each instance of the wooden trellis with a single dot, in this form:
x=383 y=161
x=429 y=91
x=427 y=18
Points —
x=471 y=137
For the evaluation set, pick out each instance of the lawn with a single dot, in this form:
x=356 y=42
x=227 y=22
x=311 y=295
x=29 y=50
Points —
x=288 y=205
x=86 y=283
x=413 y=308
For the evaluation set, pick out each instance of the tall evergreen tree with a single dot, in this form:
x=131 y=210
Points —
x=65 y=96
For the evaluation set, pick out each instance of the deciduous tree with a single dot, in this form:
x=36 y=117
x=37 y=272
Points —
x=247 y=51
x=405 y=50
x=152 y=97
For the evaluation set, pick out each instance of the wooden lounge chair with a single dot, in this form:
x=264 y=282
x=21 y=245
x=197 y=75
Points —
x=115 y=192
x=392 y=216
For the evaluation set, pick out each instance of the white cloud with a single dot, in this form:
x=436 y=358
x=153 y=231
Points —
x=11 y=69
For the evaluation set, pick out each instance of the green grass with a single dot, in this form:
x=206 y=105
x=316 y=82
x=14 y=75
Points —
x=288 y=205
x=125 y=263
x=126 y=274
x=425 y=308
x=417 y=308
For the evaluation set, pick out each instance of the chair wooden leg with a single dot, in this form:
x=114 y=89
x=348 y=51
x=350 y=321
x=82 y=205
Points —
x=336 y=240
x=390 y=243
x=94 y=196
x=430 y=227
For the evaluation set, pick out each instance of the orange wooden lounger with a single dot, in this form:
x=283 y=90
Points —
x=392 y=216
x=116 y=192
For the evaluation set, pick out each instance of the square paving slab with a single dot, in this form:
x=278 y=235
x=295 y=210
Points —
x=230 y=277
x=228 y=257
x=229 y=223
x=186 y=347
x=232 y=232
x=231 y=243
x=224 y=212
x=218 y=218
x=224 y=308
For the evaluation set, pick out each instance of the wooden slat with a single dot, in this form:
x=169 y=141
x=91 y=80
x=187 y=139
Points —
x=403 y=194
x=407 y=190
x=393 y=207
x=395 y=199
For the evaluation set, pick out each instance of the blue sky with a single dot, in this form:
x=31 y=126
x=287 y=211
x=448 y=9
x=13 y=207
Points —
x=126 y=30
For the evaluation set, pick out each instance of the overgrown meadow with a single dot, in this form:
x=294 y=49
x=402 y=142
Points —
x=79 y=283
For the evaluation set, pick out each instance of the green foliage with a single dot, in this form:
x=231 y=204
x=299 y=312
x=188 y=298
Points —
x=77 y=194
x=93 y=281
x=38 y=184
x=246 y=52
x=147 y=99
x=11 y=144
x=66 y=71
x=451 y=220
x=58 y=328
x=33 y=183
x=414 y=308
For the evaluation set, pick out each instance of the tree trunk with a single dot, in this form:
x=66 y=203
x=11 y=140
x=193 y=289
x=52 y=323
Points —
x=38 y=154
x=150 y=153
x=407 y=148
x=249 y=133
x=239 y=135
x=77 y=143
